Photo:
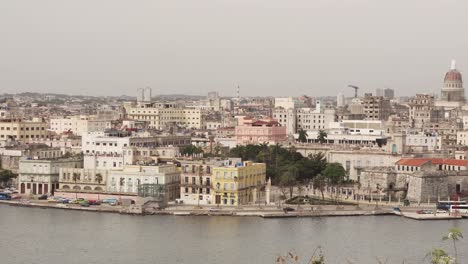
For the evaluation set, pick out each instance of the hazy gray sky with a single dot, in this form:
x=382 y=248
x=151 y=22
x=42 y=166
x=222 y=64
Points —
x=268 y=47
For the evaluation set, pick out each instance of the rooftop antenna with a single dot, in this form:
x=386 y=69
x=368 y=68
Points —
x=453 y=65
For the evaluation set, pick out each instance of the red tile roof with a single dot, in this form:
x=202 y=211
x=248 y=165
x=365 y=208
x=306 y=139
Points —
x=412 y=162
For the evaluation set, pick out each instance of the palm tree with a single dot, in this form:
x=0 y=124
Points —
x=99 y=180
x=455 y=235
x=302 y=135
x=76 y=177
x=322 y=136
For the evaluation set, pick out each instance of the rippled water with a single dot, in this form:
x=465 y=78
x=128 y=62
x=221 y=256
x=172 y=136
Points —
x=32 y=235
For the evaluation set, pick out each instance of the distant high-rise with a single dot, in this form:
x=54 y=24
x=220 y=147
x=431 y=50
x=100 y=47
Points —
x=389 y=93
x=340 y=100
x=144 y=94
x=213 y=95
x=379 y=92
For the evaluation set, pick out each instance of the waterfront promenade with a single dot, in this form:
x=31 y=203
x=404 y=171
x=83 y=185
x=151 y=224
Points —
x=271 y=211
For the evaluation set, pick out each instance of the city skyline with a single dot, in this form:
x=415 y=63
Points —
x=305 y=48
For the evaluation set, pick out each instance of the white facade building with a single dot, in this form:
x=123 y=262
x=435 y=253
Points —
x=79 y=125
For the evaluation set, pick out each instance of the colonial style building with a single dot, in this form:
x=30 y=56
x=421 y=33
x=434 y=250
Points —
x=38 y=176
x=239 y=183
x=259 y=132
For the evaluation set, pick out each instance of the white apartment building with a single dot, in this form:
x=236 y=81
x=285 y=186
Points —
x=308 y=119
x=284 y=102
x=38 y=177
x=79 y=125
x=136 y=179
x=424 y=141
x=287 y=118
x=462 y=137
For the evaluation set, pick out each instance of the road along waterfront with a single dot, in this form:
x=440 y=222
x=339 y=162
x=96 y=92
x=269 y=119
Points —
x=34 y=235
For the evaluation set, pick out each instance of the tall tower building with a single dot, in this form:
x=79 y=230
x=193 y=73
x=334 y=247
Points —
x=340 y=100
x=453 y=86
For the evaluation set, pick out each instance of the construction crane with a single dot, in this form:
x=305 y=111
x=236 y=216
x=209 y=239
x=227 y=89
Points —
x=355 y=89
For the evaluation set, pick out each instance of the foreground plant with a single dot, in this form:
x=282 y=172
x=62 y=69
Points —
x=455 y=235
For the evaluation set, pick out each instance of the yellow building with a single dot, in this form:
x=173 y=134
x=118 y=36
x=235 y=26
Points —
x=160 y=116
x=238 y=184
x=23 y=130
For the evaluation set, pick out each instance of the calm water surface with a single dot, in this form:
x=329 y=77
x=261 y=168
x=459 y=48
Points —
x=32 y=235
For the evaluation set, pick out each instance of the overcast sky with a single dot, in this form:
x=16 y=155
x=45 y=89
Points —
x=268 y=47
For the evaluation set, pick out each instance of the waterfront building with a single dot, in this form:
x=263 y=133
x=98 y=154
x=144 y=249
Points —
x=159 y=182
x=239 y=183
x=72 y=180
x=41 y=176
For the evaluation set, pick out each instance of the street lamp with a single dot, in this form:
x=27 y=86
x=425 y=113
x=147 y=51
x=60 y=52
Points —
x=32 y=184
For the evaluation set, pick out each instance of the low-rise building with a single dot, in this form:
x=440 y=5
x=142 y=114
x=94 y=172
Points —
x=38 y=176
x=259 y=132
x=239 y=183
x=159 y=182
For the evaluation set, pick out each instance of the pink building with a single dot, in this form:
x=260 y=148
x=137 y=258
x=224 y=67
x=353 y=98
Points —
x=260 y=131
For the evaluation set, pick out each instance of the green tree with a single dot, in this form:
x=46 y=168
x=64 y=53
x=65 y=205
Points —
x=455 y=235
x=319 y=183
x=99 y=180
x=322 y=136
x=288 y=179
x=335 y=173
x=302 y=135
x=5 y=177
x=191 y=150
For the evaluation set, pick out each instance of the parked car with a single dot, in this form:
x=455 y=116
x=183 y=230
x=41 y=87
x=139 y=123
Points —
x=84 y=204
x=42 y=197
x=15 y=196
x=424 y=212
x=214 y=209
x=77 y=201
x=288 y=209
x=64 y=201
x=94 y=202
x=110 y=201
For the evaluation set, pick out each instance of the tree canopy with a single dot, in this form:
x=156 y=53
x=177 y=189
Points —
x=281 y=161
x=335 y=173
